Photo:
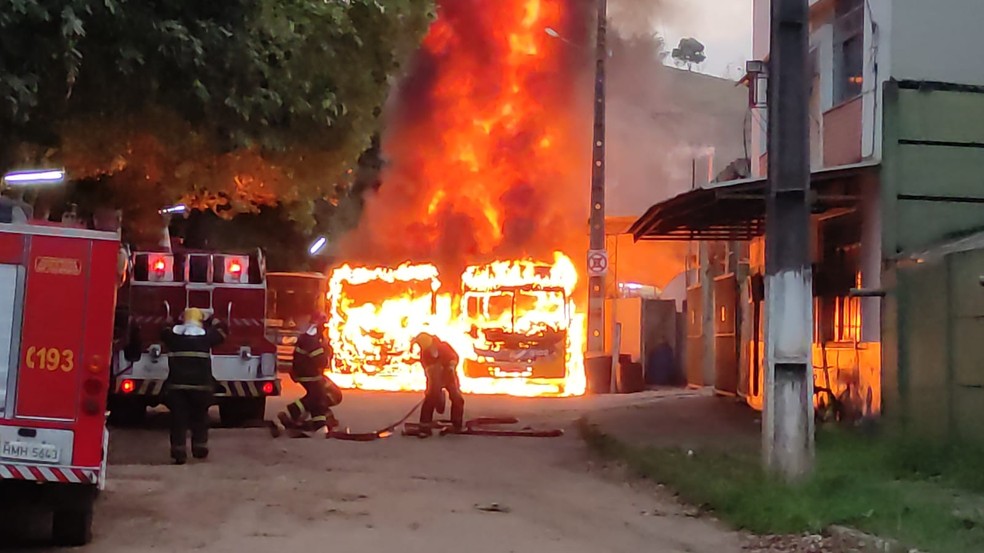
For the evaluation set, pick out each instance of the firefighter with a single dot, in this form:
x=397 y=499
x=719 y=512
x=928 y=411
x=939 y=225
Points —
x=440 y=363
x=190 y=386
x=312 y=354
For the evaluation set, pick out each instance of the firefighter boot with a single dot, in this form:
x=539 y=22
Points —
x=200 y=451
x=285 y=420
x=314 y=424
x=179 y=455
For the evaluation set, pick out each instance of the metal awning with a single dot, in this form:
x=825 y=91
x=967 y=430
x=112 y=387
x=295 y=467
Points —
x=735 y=210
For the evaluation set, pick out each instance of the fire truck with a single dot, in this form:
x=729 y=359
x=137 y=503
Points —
x=291 y=299
x=159 y=287
x=57 y=297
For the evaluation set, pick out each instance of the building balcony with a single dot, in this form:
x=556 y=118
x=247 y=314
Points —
x=842 y=128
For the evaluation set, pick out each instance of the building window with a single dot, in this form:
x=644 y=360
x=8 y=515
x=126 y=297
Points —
x=848 y=50
x=847 y=320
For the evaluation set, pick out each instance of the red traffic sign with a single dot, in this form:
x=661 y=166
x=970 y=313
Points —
x=597 y=263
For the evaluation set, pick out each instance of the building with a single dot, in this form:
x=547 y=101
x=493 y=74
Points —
x=897 y=148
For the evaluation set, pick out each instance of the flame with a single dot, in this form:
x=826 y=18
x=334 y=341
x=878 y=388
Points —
x=513 y=324
x=481 y=190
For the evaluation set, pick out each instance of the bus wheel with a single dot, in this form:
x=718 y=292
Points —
x=72 y=525
x=238 y=412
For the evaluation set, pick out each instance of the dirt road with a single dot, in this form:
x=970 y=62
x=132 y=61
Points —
x=401 y=494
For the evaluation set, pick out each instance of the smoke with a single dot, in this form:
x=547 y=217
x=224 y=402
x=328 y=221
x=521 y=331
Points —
x=488 y=138
x=640 y=18
x=667 y=128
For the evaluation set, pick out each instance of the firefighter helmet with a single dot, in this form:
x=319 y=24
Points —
x=424 y=340
x=193 y=316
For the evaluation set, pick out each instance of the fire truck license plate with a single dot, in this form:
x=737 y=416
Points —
x=24 y=451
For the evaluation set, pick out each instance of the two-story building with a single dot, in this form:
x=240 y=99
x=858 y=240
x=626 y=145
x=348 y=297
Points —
x=897 y=151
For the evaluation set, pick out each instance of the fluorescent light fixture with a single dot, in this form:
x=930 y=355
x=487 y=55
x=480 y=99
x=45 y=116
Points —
x=181 y=208
x=318 y=245
x=34 y=176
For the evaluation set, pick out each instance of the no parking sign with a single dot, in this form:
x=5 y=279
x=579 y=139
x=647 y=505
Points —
x=597 y=263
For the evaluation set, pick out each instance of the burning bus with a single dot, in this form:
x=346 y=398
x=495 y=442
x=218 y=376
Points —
x=519 y=319
x=374 y=314
x=514 y=324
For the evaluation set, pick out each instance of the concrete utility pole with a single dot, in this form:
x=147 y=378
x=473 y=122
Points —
x=596 y=283
x=787 y=429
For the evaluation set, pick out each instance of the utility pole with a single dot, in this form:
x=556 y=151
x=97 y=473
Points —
x=596 y=282
x=787 y=429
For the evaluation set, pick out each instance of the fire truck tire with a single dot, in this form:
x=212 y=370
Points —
x=72 y=526
x=238 y=412
x=127 y=412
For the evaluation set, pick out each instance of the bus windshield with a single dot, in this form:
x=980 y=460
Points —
x=293 y=298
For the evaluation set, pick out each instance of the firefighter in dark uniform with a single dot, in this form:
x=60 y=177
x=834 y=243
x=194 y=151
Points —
x=190 y=386
x=440 y=363
x=312 y=354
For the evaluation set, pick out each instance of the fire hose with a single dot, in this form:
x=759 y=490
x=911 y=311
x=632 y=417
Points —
x=372 y=436
x=480 y=427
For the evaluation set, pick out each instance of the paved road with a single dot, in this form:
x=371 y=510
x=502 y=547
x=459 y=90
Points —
x=400 y=494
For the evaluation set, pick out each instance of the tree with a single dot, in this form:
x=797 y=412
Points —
x=690 y=52
x=227 y=106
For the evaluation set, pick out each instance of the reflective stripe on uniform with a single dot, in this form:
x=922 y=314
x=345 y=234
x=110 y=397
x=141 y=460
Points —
x=308 y=379
x=193 y=354
x=317 y=352
x=319 y=418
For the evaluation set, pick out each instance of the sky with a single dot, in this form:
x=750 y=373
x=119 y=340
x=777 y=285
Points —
x=723 y=26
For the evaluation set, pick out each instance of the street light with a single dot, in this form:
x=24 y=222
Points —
x=318 y=245
x=174 y=209
x=33 y=177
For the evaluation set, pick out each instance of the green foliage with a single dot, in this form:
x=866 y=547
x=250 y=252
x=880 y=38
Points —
x=858 y=482
x=226 y=105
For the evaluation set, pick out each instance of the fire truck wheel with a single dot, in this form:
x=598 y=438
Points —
x=72 y=526
x=127 y=412
x=238 y=412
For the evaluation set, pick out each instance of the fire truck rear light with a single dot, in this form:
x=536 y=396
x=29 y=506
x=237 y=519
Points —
x=128 y=386
x=268 y=388
x=235 y=268
x=92 y=387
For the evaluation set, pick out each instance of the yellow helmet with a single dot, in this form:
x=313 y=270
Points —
x=193 y=315
x=424 y=340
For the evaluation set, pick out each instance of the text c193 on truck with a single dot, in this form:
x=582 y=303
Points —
x=57 y=296
x=160 y=286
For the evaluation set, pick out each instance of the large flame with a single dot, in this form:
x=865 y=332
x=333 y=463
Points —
x=513 y=324
x=485 y=181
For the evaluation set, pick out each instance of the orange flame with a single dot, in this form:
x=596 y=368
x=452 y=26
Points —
x=483 y=177
x=513 y=324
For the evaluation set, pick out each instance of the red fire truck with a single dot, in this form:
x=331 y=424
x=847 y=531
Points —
x=159 y=287
x=57 y=296
x=291 y=299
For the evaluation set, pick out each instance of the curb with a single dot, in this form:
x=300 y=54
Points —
x=866 y=543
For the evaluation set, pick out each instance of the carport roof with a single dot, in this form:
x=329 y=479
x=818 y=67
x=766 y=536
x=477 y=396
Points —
x=735 y=210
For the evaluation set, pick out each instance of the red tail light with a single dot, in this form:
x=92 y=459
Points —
x=128 y=386
x=92 y=387
x=268 y=388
